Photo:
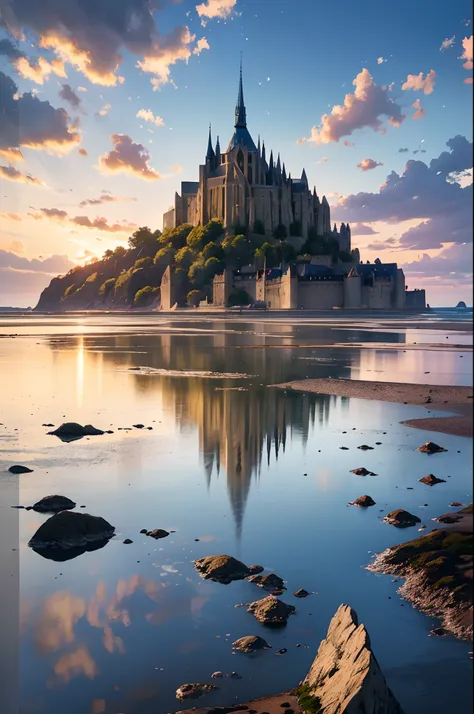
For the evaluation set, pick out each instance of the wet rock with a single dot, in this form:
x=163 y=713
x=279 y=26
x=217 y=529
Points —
x=282 y=651
x=157 y=533
x=127 y=541
x=19 y=469
x=363 y=502
x=144 y=531
x=431 y=480
x=271 y=582
x=430 y=448
x=344 y=448
x=455 y=504
x=437 y=632
x=271 y=611
x=217 y=675
x=362 y=471
x=251 y=643
x=255 y=569
x=138 y=426
x=301 y=593
x=70 y=431
x=378 y=443
x=401 y=518
x=255 y=579
x=53 y=504
x=345 y=676
x=221 y=568
x=68 y=529
x=364 y=447
x=194 y=691
x=235 y=675
x=48 y=425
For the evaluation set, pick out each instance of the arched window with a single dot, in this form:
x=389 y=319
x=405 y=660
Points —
x=240 y=160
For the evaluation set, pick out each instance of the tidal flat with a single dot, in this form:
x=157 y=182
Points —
x=230 y=465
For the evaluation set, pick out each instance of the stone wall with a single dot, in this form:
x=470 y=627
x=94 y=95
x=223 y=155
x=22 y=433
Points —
x=415 y=299
x=320 y=294
x=168 y=219
x=378 y=296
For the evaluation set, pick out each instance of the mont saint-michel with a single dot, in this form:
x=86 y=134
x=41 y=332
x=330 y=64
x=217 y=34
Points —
x=246 y=233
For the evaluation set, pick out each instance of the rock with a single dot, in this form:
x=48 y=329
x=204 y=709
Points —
x=221 y=568
x=127 y=541
x=68 y=529
x=251 y=643
x=364 y=447
x=345 y=677
x=455 y=504
x=235 y=675
x=157 y=533
x=438 y=632
x=255 y=569
x=271 y=611
x=401 y=518
x=282 y=651
x=430 y=448
x=194 y=691
x=53 y=504
x=18 y=469
x=271 y=582
x=431 y=480
x=144 y=531
x=70 y=431
x=138 y=426
x=363 y=502
x=362 y=471
x=255 y=579
x=48 y=425
x=217 y=675
x=344 y=448
x=301 y=593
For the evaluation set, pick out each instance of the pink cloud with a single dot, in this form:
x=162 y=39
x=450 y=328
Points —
x=368 y=165
x=361 y=109
x=419 y=83
x=9 y=173
x=467 y=52
x=215 y=9
x=420 y=112
x=99 y=224
x=127 y=157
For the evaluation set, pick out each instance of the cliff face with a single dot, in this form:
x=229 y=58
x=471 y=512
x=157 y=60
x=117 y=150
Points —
x=107 y=284
x=345 y=677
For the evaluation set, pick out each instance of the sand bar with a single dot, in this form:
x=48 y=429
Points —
x=450 y=398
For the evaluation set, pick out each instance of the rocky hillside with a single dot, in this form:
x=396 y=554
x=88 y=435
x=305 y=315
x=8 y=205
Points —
x=131 y=278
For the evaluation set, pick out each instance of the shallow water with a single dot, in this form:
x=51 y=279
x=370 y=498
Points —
x=244 y=468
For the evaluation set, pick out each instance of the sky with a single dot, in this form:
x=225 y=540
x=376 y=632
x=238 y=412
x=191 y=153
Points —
x=106 y=108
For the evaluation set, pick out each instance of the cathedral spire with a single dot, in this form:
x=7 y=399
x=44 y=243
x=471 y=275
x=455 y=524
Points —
x=258 y=145
x=240 y=113
x=218 y=151
x=283 y=173
x=264 y=159
x=210 y=151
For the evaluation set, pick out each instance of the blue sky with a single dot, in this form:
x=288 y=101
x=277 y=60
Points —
x=300 y=60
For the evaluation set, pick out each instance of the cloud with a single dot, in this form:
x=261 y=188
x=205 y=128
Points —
x=324 y=160
x=420 y=112
x=212 y=9
x=349 y=143
x=363 y=108
x=129 y=158
x=38 y=70
x=99 y=224
x=176 y=168
x=53 y=264
x=83 y=152
x=10 y=216
x=381 y=60
x=201 y=45
x=467 y=53
x=403 y=151
x=419 y=83
x=9 y=173
x=368 y=165
x=69 y=95
x=147 y=115
x=468 y=80
x=362 y=229
x=94 y=36
x=448 y=42
x=104 y=110
x=30 y=122
x=105 y=197
x=421 y=192
x=160 y=58
x=452 y=264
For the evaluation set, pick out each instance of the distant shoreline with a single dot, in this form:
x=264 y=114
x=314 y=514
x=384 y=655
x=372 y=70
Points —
x=447 y=398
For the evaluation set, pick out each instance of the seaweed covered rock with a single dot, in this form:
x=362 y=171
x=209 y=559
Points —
x=401 y=518
x=53 y=504
x=271 y=611
x=345 y=677
x=251 y=643
x=68 y=529
x=221 y=568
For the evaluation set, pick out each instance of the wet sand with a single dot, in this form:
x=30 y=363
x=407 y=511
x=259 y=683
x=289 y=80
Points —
x=264 y=705
x=450 y=398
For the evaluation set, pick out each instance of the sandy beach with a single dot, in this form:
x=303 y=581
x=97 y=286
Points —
x=456 y=399
x=263 y=705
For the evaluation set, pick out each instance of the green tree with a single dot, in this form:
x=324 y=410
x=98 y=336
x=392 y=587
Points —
x=175 y=236
x=238 y=251
x=280 y=232
x=106 y=287
x=108 y=254
x=165 y=256
x=184 y=258
x=143 y=263
x=195 y=239
x=194 y=297
x=143 y=296
x=213 y=267
x=142 y=238
x=213 y=250
x=267 y=250
x=120 y=251
x=197 y=273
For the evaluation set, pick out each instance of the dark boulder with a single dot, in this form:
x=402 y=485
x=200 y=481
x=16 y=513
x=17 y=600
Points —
x=363 y=502
x=158 y=533
x=430 y=447
x=70 y=431
x=193 y=691
x=362 y=471
x=255 y=569
x=401 y=518
x=431 y=480
x=53 y=504
x=364 y=447
x=68 y=529
x=301 y=593
x=19 y=469
x=221 y=568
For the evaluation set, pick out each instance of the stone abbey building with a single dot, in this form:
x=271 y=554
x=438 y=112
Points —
x=241 y=186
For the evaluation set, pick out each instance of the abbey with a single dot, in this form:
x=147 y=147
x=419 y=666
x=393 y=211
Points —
x=241 y=188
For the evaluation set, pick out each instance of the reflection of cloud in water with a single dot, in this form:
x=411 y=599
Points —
x=176 y=608
x=60 y=613
x=153 y=371
x=74 y=664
